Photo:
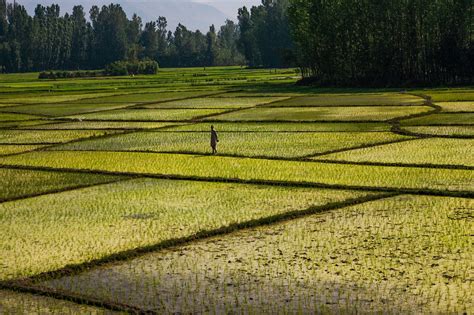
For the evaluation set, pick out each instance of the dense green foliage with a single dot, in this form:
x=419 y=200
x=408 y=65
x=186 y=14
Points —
x=349 y=42
x=354 y=42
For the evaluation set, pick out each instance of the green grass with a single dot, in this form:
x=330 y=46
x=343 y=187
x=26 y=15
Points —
x=266 y=144
x=457 y=106
x=442 y=119
x=282 y=127
x=352 y=99
x=85 y=125
x=443 y=130
x=23 y=303
x=47 y=136
x=10 y=117
x=149 y=114
x=217 y=102
x=422 y=151
x=369 y=113
x=12 y=149
x=403 y=255
x=106 y=219
x=21 y=183
x=251 y=169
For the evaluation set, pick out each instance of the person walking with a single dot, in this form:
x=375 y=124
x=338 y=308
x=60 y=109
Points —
x=214 y=140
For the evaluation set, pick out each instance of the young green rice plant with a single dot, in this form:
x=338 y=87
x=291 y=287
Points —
x=10 y=117
x=13 y=149
x=442 y=119
x=456 y=106
x=442 y=130
x=451 y=95
x=253 y=144
x=23 y=303
x=148 y=114
x=94 y=125
x=63 y=109
x=16 y=184
x=360 y=99
x=41 y=234
x=421 y=151
x=282 y=127
x=210 y=102
x=52 y=98
x=406 y=254
x=246 y=169
x=47 y=136
x=147 y=97
x=369 y=113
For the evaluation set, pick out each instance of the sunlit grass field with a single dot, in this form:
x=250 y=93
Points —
x=319 y=200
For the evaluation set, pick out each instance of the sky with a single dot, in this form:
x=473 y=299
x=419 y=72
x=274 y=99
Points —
x=195 y=14
x=230 y=7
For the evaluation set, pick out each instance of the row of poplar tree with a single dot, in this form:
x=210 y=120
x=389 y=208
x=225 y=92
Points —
x=384 y=42
x=48 y=40
x=343 y=42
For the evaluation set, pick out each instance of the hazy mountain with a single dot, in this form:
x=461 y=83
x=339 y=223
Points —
x=194 y=15
x=230 y=7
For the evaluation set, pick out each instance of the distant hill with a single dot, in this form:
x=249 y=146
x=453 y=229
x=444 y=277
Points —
x=193 y=15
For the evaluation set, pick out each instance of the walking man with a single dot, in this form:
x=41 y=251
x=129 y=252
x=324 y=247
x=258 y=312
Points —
x=214 y=140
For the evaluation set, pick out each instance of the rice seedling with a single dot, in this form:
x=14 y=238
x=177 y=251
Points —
x=369 y=113
x=10 y=117
x=360 y=99
x=47 y=136
x=443 y=130
x=93 y=125
x=51 y=98
x=421 y=151
x=216 y=102
x=23 y=303
x=282 y=127
x=13 y=149
x=456 y=106
x=442 y=119
x=285 y=144
x=148 y=114
x=41 y=234
x=225 y=168
x=145 y=97
x=16 y=184
x=406 y=254
x=63 y=109
x=451 y=95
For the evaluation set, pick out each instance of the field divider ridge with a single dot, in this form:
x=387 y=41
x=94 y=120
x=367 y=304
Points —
x=74 y=269
x=413 y=191
x=61 y=190
x=307 y=159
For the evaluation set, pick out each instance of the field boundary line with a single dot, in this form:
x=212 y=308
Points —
x=276 y=158
x=46 y=292
x=413 y=191
x=125 y=255
x=61 y=190
x=364 y=146
x=416 y=165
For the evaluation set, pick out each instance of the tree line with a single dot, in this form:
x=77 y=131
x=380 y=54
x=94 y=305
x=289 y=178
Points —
x=384 y=42
x=343 y=42
x=48 y=40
